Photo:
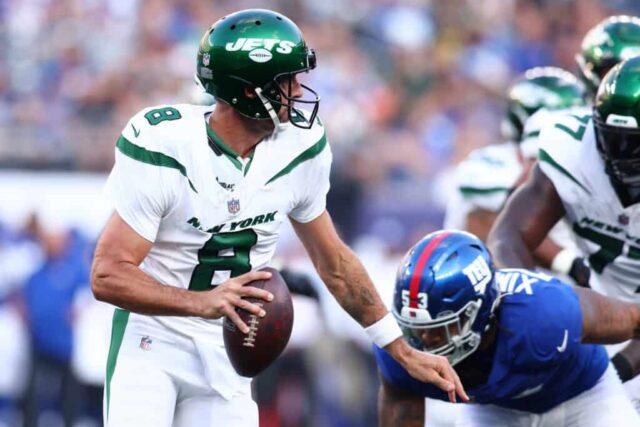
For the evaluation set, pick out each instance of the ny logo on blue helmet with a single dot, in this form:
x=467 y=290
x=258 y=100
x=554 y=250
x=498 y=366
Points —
x=445 y=294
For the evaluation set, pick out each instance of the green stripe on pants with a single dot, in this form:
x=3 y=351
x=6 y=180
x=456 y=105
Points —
x=120 y=319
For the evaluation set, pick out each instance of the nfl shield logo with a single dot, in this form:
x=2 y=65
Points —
x=233 y=205
x=205 y=59
x=623 y=219
x=145 y=343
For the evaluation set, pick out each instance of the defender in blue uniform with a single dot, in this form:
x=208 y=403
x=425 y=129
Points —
x=519 y=340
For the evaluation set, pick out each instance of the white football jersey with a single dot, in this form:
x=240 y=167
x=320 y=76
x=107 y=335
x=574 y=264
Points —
x=483 y=181
x=209 y=213
x=605 y=231
x=561 y=232
x=541 y=118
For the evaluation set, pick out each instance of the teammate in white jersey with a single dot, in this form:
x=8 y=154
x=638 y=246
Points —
x=483 y=180
x=613 y=40
x=589 y=172
x=200 y=194
x=486 y=178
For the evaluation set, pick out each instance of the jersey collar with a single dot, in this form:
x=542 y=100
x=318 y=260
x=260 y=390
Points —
x=220 y=148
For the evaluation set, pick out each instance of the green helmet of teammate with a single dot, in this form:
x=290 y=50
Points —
x=541 y=87
x=259 y=50
x=616 y=116
x=611 y=41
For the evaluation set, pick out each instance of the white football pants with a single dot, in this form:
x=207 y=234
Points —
x=153 y=382
x=603 y=405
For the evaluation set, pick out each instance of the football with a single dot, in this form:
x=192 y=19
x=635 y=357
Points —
x=251 y=353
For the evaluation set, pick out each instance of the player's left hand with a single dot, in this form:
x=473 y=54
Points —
x=428 y=368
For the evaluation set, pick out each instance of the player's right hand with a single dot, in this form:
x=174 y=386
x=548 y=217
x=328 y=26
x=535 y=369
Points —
x=428 y=368
x=225 y=298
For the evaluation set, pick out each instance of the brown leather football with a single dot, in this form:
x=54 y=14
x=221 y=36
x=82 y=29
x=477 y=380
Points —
x=251 y=353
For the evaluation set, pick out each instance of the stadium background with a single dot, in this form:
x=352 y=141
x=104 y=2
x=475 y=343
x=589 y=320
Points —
x=408 y=89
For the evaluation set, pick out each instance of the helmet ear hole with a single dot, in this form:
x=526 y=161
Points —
x=249 y=92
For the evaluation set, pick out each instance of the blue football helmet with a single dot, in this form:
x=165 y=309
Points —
x=445 y=294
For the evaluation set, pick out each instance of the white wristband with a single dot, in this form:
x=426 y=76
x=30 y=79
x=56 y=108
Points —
x=563 y=261
x=384 y=331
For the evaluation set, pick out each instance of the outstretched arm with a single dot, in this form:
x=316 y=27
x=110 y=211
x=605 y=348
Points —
x=348 y=281
x=606 y=320
x=397 y=408
x=525 y=221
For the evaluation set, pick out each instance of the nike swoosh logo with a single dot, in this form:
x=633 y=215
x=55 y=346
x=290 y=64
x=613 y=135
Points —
x=561 y=348
x=529 y=392
x=136 y=132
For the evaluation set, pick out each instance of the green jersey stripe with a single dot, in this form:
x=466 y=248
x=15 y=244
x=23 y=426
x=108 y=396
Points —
x=472 y=191
x=155 y=158
x=543 y=156
x=307 y=154
x=120 y=319
x=532 y=134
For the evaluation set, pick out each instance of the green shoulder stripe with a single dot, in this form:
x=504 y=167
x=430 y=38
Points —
x=151 y=157
x=473 y=191
x=120 y=320
x=543 y=156
x=307 y=154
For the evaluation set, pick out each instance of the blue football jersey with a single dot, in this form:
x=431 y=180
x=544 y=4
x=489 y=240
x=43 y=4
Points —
x=538 y=361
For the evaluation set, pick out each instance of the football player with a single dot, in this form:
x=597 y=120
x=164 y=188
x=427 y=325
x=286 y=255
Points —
x=614 y=39
x=489 y=175
x=611 y=41
x=200 y=195
x=486 y=178
x=589 y=173
x=522 y=342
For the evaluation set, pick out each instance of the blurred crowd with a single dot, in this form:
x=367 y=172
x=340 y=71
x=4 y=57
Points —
x=408 y=89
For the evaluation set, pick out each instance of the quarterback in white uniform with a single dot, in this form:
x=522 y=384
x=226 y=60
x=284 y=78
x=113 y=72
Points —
x=200 y=194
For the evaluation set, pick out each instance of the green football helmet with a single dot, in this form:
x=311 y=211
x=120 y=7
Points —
x=540 y=87
x=257 y=49
x=611 y=41
x=616 y=115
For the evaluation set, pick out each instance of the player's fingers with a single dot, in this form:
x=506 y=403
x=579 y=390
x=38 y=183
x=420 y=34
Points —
x=252 y=291
x=250 y=307
x=440 y=382
x=450 y=375
x=459 y=387
x=235 y=318
x=251 y=276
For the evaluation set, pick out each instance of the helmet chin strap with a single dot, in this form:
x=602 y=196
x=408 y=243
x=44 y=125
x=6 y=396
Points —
x=279 y=127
